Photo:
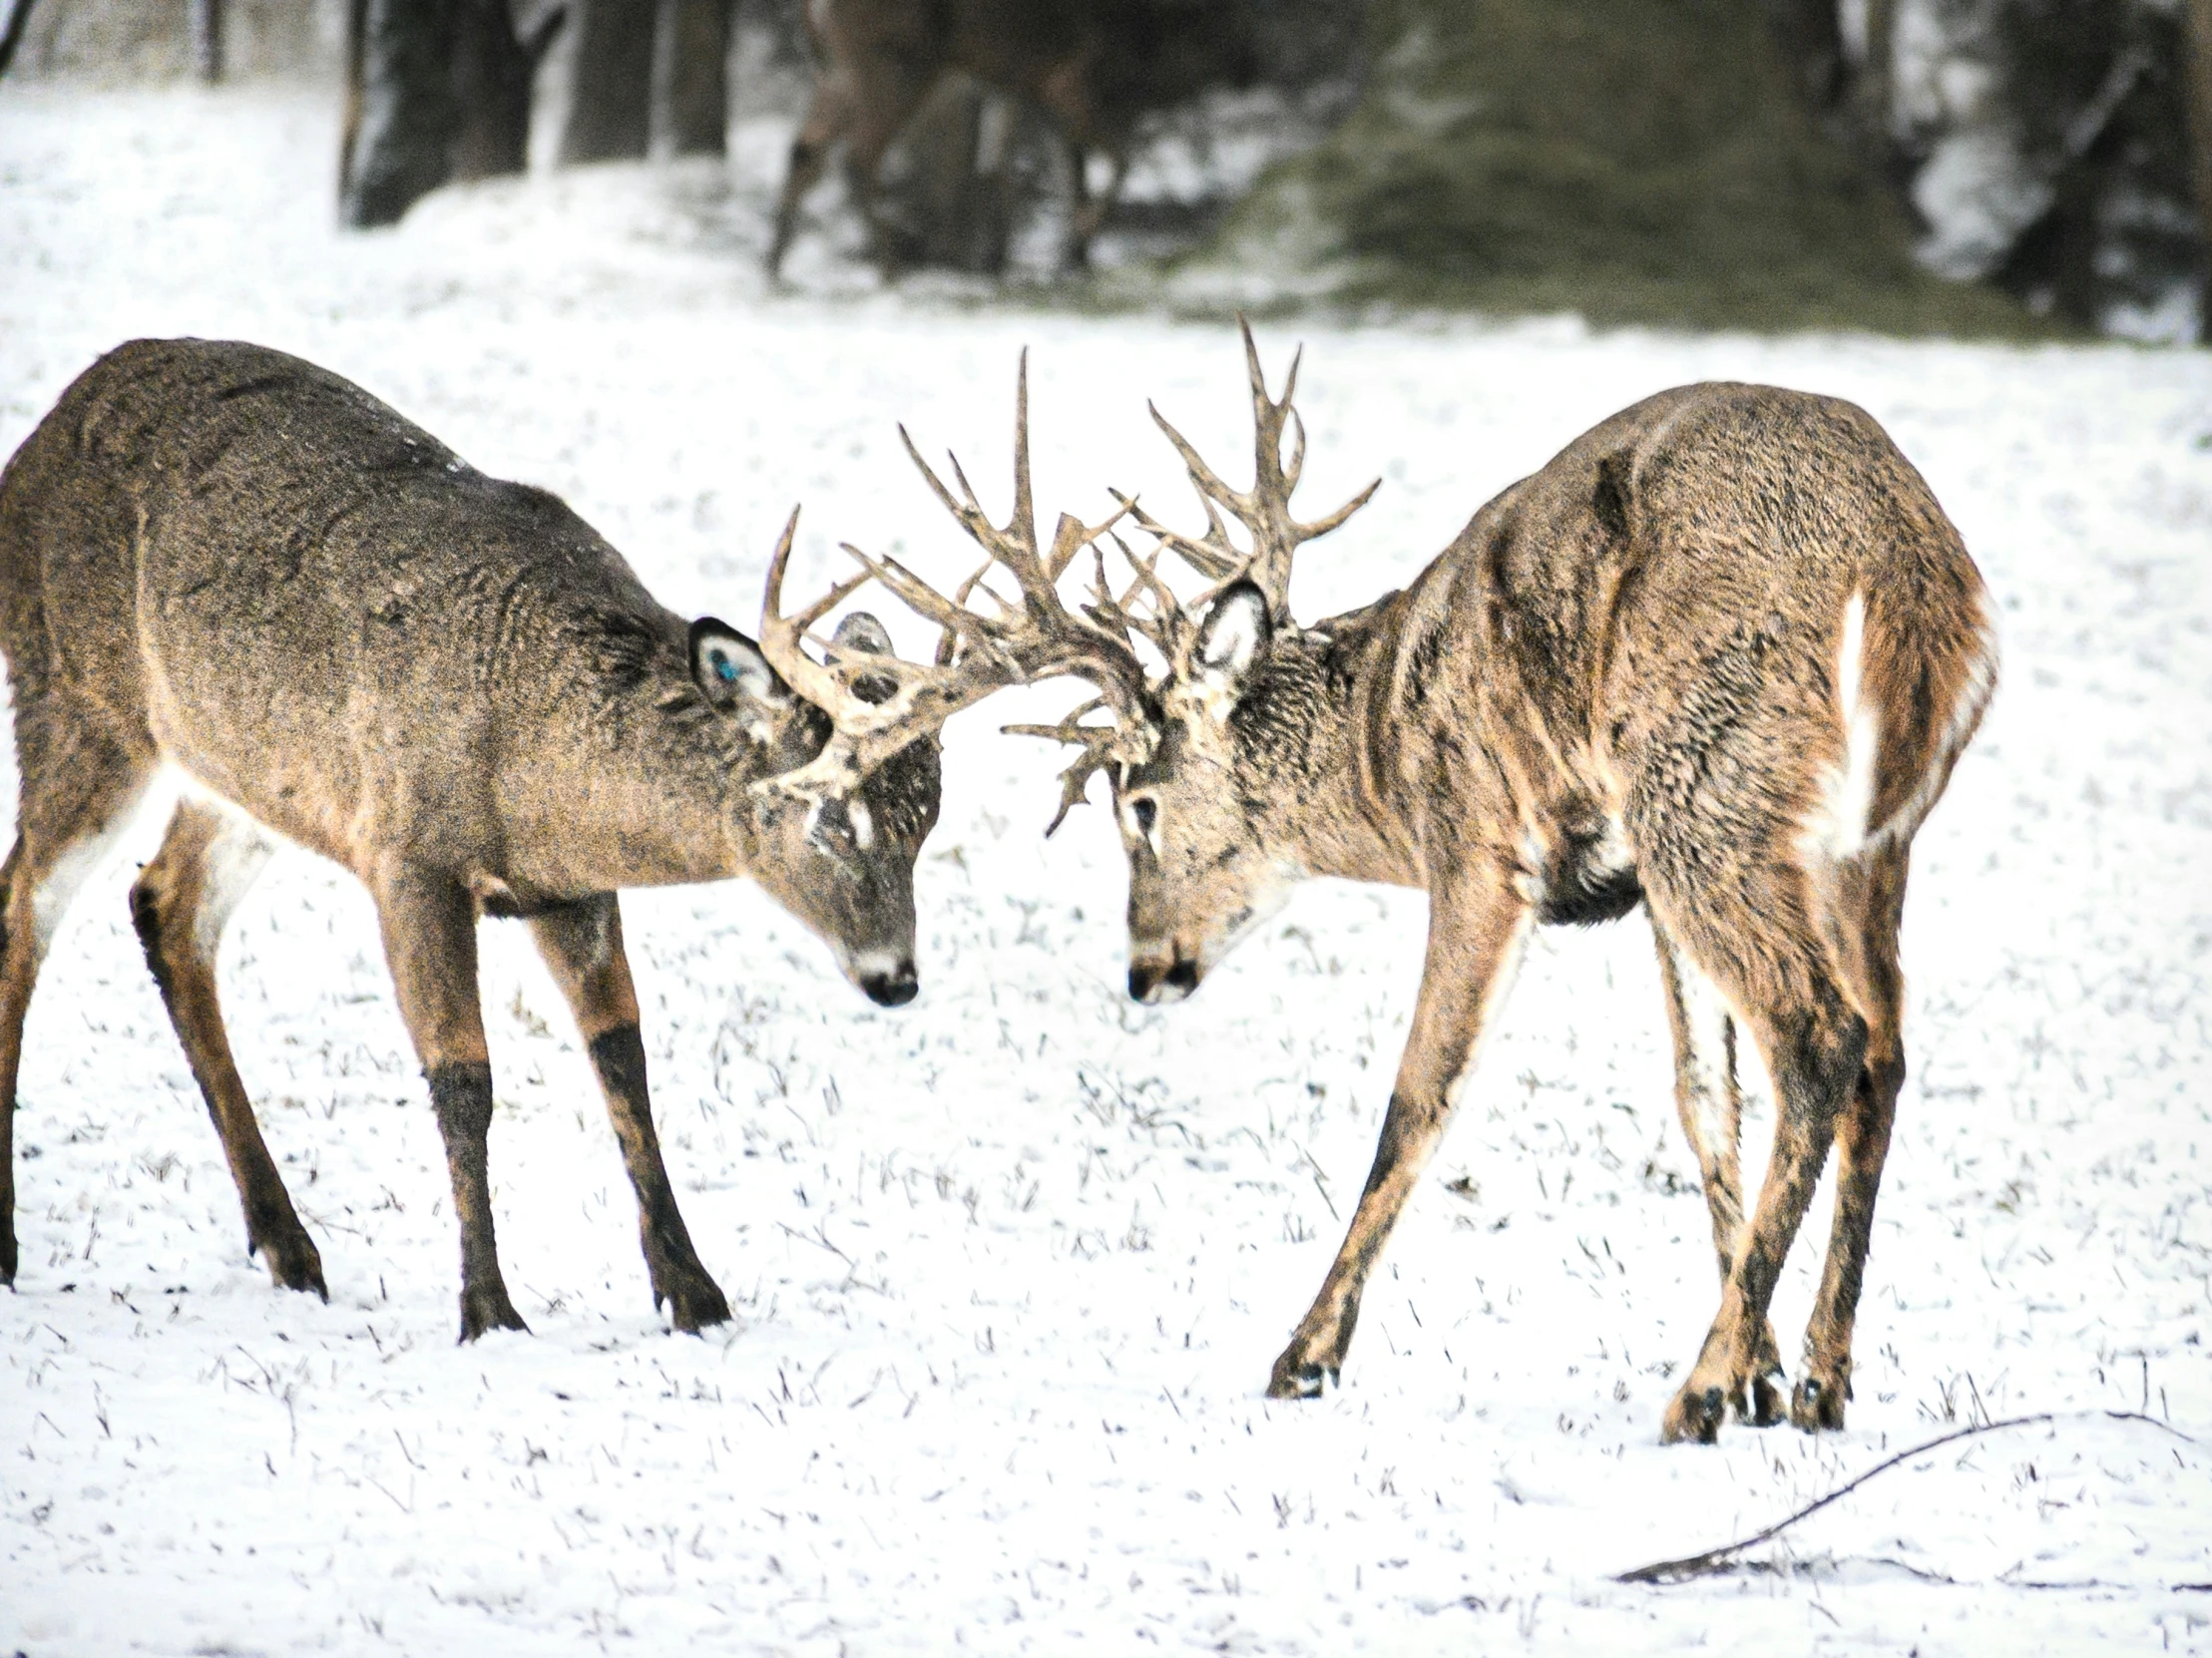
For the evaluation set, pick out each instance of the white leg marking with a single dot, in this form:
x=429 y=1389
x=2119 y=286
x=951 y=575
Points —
x=79 y=861
x=234 y=862
x=1708 y=1065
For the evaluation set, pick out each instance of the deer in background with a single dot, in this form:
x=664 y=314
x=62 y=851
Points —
x=226 y=567
x=1094 y=67
x=1718 y=657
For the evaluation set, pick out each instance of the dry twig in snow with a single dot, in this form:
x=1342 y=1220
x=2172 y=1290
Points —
x=1716 y=1560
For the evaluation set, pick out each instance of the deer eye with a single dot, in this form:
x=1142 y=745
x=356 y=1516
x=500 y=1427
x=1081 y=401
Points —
x=1146 y=813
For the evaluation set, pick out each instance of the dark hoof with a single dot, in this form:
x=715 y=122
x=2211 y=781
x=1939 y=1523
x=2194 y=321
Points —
x=695 y=1302
x=488 y=1309
x=1766 y=1399
x=1296 y=1377
x=293 y=1262
x=1818 y=1407
x=1694 y=1417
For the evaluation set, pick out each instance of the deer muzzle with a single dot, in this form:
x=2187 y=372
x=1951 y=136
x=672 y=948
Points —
x=1155 y=979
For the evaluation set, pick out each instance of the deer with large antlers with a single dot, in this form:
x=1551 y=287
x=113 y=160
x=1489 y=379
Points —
x=225 y=566
x=1718 y=657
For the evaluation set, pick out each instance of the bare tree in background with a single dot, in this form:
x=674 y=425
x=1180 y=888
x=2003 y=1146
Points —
x=690 y=59
x=611 y=84
x=207 y=40
x=436 y=90
x=2197 y=25
x=11 y=34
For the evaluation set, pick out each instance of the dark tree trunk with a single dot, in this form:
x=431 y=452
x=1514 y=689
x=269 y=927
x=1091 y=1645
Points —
x=492 y=72
x=206 y=38
x=1811 y=33
x=1874 y=93
x=611 y=87
x=400 y=111
x=11 y=33
x=2197 y=90
x=694 y=51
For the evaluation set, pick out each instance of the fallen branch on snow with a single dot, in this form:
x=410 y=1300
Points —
x=1717 y=1561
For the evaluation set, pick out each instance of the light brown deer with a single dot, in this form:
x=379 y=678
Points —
x=224 y=565
x=1095 y=66
x=1718 y=657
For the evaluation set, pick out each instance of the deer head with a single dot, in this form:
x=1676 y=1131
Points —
x=1190 y=751
x=852 y=775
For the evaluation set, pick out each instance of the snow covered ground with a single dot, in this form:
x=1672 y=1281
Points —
x=1009 y=1265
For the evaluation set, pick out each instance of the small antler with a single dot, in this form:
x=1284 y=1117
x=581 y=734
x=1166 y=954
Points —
x=1264 y=509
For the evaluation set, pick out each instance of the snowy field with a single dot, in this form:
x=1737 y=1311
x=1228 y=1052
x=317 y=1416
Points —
x=1009 y=1265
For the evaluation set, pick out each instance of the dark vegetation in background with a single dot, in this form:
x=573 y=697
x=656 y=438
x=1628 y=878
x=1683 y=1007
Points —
x=1636 y=161
x=2102 y=93
x=1705 y=162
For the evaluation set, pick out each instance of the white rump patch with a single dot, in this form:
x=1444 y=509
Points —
x=1837 y=827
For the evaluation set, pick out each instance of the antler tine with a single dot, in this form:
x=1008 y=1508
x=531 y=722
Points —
x=780 y=634
x=1025 y=507
x=1264 y=509
x=1099 y=744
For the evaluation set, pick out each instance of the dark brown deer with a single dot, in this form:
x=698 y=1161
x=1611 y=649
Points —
x=224 y=565
x=1718 y=657
x=1094 y=67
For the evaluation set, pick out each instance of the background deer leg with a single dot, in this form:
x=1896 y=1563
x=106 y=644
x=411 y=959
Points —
x=429 y=926
x=1871 y=903
x=179 y=903
x=79 y=791
x=582 y=945
x=1090 y=210
x=827 y=116
x=1477 y=927
x=1710 y=1103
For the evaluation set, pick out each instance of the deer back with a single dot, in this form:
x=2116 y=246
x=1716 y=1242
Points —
x=327 y=618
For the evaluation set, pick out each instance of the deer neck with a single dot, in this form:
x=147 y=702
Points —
x=659 y=795
x=1303 y=749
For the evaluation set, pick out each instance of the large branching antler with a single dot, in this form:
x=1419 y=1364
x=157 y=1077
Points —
x=1264 y=510
x=1032 y=637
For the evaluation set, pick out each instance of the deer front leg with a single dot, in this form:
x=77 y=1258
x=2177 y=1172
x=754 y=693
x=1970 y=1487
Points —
x=1477 y=927
x=582 y=945
x=429 y=926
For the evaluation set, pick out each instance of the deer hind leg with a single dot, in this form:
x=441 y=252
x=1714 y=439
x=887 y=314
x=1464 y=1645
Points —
x=179 y=903
x=1757 y=939
x=827 y=116
x=430 y=925
x=1475 y=937
x=1710 y=1105
x=80 y=789
x=1088 y=211
x=582 y=945
x=1869 y=902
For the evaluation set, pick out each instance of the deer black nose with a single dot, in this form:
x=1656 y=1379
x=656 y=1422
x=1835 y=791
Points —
x=1147 y=979
x=892 y=989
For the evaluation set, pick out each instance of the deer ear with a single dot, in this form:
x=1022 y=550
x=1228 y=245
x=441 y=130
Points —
x=862 y=634
x=1234 y=636
x=727 y=666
